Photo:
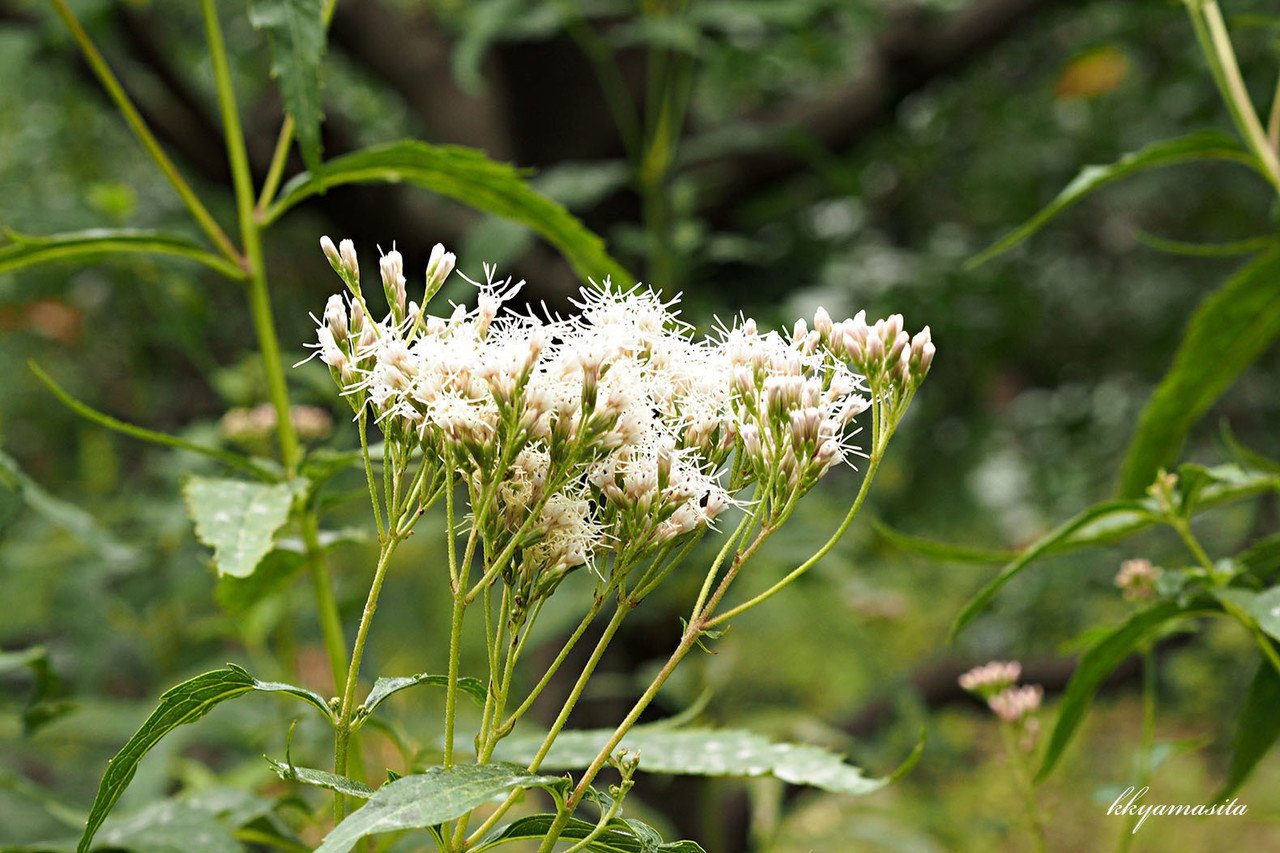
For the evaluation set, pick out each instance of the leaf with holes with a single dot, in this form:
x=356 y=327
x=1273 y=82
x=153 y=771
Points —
x=702 y=752
x=238 y=519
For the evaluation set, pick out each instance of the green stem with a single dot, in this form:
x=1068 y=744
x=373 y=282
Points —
x=251 y=236
x=139 y=127
x=687 y=642
x=553 y=668
x=1273 y=120
x=347 y=710
x=335 y=645
x=817 y=555
x=1146 y=749
x=362 y=421
x=451 y=691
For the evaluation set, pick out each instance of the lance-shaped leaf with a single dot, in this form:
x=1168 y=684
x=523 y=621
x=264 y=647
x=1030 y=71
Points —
x=384 y=687
x=1099 y=523
x=619 y=837
x=182 y=704
x=702 y=752
x=320 y=778
x=1226 y=334
x=467 y=176
x=427 y=799
x=238 y=519
x=1210 y=145
x=296 y=37
x=1097 y=663
x=27 y=250
x=1257 y=727
x=946 y=552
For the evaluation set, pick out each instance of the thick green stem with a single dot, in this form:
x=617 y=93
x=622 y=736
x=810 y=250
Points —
x=250 y=233
x=451 y=691
x=139 y=127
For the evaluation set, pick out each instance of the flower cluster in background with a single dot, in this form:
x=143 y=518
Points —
x=614 y=432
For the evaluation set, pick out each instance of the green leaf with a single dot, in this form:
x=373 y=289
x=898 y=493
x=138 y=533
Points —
x=238 y=519
x=320 y=778
x=384 y=687
x=941 y=551
x=1226 y=334
x=1263 y=607
x=1205 y=250
x=702 y=752
x=82 y=527
x=295 y=34
x=181 y=704
x=467 y=176
x=226 y=457
x=1257 y=728
x=1247 y=457
x=274 y=573
x=27 y=250
x=1099 y=523
x=427 y=799
x=169 y=826
x=620 y=837
x=1262 y=558
x=1209 y=145
x=1095 y=665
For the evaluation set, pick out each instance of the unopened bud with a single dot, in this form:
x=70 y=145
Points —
x=392 y=267
x=347 y=252
x=899 y=345
x=439 y=265
x=335 y=317
x=799 y=331
x=822 y=322
x=331 y=252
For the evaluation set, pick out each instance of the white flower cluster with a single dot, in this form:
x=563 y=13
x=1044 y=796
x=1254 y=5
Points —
x=616 y=430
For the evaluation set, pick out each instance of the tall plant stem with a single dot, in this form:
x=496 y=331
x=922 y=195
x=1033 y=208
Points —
x=346 y=712
x=1146 y=748
x=251 y=235
x=140 y=129
x=1022 y=778
x=335 y=645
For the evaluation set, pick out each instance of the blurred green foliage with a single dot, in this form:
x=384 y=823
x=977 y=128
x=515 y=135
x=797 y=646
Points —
x=1046 y=358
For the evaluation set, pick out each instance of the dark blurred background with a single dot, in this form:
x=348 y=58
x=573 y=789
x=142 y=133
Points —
x=847 y=154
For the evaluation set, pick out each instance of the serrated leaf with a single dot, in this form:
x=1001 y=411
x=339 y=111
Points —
x=82 y=527
x=384 y=687
x=941 y=551
x=320 y=779
x=1227 y=333
x=27 y=250
x=1209 y=145
x=427 y=799
x=702 y=752
x=1099 y=523
x=1264 y=606
x=620 y=837
x=296 y=36
x=469 y=177
x=179 y=705
x=238 y=519
x=1095 y=665
x=1257 y=728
